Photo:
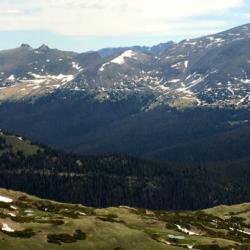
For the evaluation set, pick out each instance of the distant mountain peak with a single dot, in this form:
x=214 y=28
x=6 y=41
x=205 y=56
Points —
x=25 y=45
x=44 y=47
x=156 y=49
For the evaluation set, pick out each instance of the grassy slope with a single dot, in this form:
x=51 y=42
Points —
x=16 y=144
x=118 y=228
x=240 y=211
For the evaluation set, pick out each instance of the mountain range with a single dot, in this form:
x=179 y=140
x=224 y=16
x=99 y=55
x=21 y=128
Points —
x=184 y=102
x=211 y=70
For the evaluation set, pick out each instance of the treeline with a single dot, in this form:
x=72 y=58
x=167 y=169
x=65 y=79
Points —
x=122 y=180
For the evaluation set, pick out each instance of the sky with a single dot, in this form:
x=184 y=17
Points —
x=82 y=25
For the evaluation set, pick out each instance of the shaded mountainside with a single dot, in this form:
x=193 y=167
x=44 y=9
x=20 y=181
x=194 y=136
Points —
x=76 y=123
x=119 y=180
x=27 y=222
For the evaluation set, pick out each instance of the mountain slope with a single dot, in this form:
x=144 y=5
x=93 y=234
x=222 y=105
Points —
x=27 y=73
x=207 y=71
x=29 y=222
x=79 y=124
x=115 y=180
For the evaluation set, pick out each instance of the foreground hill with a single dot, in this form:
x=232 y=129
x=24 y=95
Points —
x=27 y=222
x=115 y=180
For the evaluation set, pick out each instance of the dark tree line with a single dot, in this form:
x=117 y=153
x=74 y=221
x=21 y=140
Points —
x=122 y=180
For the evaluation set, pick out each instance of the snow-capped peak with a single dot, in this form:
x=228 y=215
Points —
x=120 y=59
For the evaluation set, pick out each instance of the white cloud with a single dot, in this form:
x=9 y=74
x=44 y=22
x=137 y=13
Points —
x=112 y=17
x=10 y=11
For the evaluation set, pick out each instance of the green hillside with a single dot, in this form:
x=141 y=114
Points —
x=15 y=144
x=27 y=222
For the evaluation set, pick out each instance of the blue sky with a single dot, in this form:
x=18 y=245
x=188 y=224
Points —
x=82 y=25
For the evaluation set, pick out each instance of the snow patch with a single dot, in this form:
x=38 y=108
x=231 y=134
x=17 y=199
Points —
x=242 y=100
x=239 y=230
x=80 y=213
x=12 y=214
x=7 y=228
x=129 y=208
x=120 y=59
x=28 y=211
x=186 y=231
x=174 y=80
x=5 y=199
x=190 y=43
x=11 y=78
x=171 y=236
x=245 y=81
x=76 y=66
x=230 y=90
x=177 y=65
x=63 y=78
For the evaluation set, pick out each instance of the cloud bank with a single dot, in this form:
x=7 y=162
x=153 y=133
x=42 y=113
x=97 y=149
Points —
x=113 y=17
